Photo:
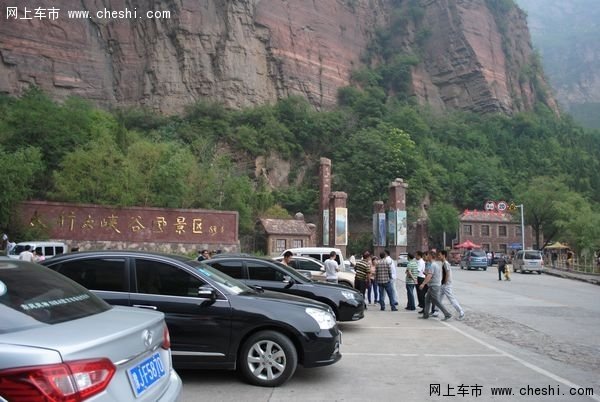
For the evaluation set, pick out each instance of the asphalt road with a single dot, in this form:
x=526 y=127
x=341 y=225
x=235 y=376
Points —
x=537 y=335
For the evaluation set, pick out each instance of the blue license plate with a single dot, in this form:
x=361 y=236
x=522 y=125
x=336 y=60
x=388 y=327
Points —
x=146 y=374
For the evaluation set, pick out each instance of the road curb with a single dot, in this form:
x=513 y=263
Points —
x=593 y=279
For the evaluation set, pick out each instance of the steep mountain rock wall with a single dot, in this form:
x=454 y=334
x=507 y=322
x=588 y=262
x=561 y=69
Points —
x=250 y=52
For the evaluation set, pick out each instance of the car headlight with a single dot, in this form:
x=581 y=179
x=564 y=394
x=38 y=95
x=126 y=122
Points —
x=325 y=319
x=349 y=295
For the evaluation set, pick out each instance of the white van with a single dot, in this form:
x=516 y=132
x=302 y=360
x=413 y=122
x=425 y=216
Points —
x=48 y=248
x=528 y=260
x=322 y=254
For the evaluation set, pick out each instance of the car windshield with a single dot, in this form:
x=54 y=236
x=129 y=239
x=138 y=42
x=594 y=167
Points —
x=226 y=282
x=478 y=253
x=31 y=295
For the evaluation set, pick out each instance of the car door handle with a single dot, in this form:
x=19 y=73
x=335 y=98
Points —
x=146 y=306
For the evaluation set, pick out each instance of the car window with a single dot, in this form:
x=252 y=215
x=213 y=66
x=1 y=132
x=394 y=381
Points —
x=96 y=273
x=31 y=294
x=231 y=268
x=48 y=250
x=260 y=271
x=533 y=255
x=478 y=253
x=315 y=256
x=155 y=277
x=226 y=282
x=307 y=265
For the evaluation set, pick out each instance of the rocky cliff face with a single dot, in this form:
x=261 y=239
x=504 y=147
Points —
x=249 y=52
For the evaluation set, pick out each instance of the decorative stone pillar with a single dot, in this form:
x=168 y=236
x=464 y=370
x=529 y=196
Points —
x=379 y=227
x=397 y=221
x=338 y=220
x=324 y=192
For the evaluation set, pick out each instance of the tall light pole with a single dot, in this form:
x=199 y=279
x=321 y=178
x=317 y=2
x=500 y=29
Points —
x=522 y=227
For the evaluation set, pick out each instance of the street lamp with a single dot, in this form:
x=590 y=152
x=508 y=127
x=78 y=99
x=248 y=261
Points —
x=520 y=206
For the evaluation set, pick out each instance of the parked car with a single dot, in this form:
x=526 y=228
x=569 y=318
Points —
x=59 y=342
x=315 y=270
x=48 y=248
x=347 y=304
x=215 y=321
x=474 y=259
x=402 y=260
x=528 y=261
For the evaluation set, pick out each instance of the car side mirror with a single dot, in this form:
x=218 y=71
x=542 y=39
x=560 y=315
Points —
x=207 y=292
x=289 y=281
x=322 y=269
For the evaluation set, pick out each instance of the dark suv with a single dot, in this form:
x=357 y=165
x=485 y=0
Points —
x=346 y=303
x=215 y=321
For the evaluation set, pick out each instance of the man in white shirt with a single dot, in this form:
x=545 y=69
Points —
x=26 y=255
x=420 y=279
x=331 y=268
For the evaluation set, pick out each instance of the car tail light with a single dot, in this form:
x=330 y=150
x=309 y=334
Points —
x=72 y=381
x=166 y=343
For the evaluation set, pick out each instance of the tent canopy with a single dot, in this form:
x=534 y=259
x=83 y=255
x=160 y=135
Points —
x=467 y=244
x=557 y=246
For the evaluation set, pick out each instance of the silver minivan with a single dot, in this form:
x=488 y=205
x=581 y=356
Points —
x=528 y=261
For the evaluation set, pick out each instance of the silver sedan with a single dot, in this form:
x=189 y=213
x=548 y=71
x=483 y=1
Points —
x=60 y=342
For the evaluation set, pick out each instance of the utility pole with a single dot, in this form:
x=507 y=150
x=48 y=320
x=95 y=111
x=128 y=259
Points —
x=522 y=227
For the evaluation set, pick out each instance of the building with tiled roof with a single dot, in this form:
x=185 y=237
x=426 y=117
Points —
x=276 y=235
x=493 y=230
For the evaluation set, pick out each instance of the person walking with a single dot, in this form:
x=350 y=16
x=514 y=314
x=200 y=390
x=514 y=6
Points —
x=433 y=279
x=331 y=268
x=412 y=272
x=287 y=257
x=362 y=270
x=420 y=279
x=372 y=288
x=393 y=268
x=447 y=285
x=383 y=277
x=501 y=267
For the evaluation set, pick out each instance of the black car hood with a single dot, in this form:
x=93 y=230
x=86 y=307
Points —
x=279 y=297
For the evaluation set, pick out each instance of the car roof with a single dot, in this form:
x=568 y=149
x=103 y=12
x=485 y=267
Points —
x=109 y=253
x=298 y=257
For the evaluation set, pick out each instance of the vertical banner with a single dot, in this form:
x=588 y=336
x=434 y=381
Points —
x=381 y=227
x=326 y=227
x=341 y=226
x=391 y=228
x=402 y=228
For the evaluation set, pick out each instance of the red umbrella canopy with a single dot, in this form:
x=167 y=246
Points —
x=467 y=244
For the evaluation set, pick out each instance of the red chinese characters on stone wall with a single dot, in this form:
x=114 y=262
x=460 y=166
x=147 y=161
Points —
x=131 y=224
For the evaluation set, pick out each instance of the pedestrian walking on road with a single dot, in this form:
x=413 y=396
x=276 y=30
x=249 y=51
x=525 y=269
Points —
x=433 y=279
x=501 y=267
x=420 y=279
x=412 y=272
x=363 y=270
x=447 y=285
x=372 y=287
x=393 y=268
x=383 y=277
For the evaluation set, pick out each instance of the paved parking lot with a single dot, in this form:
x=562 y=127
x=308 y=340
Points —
x=395 y=356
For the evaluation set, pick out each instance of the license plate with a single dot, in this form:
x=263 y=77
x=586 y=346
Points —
x=146 y=374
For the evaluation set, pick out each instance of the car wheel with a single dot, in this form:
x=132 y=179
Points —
x=539 y=272
x=522 y=271
x=485 y=269
x=268 y=359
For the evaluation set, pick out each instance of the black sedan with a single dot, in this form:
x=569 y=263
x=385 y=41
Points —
x=347 y=304
x=215 y=321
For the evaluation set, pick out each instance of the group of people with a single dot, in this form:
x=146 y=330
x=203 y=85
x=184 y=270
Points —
x=428 y=275
x=32 y=256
